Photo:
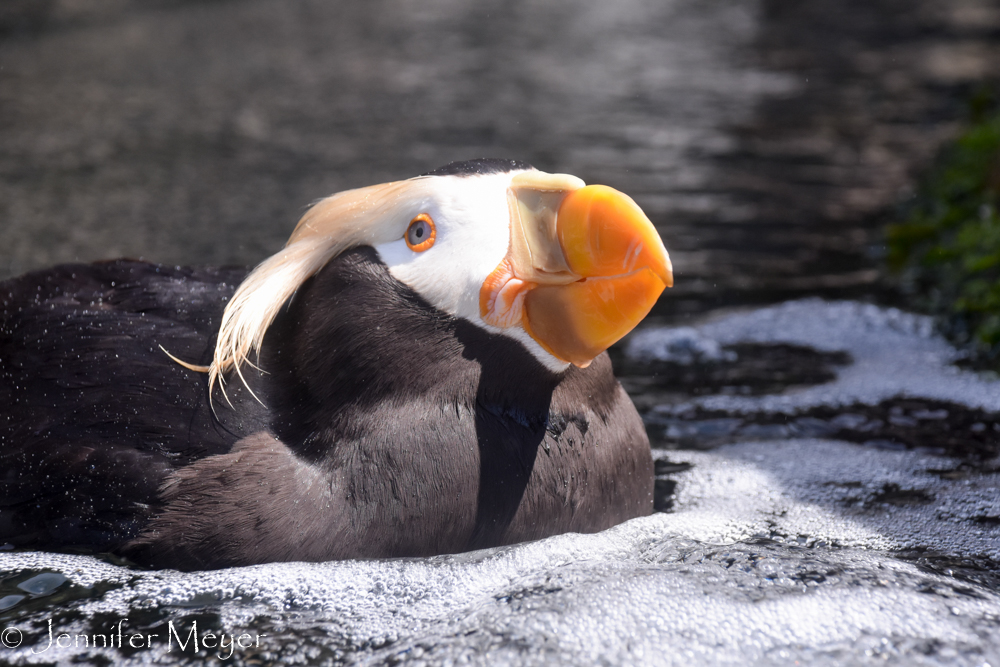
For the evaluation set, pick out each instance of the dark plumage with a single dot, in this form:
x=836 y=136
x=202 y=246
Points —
x=445 y=422
x=385 y=427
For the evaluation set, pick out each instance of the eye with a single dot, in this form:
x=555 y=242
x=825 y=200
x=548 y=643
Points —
x=420 y=234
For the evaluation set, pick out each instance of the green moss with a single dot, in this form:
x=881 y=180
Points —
x=947 y=249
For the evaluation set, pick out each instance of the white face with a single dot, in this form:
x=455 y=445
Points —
x=472 y=221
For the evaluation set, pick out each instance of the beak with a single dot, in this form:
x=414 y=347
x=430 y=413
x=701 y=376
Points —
x=585 y=266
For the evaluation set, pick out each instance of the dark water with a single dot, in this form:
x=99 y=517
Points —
x=766 y=139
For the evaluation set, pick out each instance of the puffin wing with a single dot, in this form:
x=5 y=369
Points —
x=96 y=414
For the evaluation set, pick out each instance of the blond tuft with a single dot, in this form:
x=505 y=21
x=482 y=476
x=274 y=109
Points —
x=366 y=216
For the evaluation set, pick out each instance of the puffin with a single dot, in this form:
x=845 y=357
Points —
x=421 y=370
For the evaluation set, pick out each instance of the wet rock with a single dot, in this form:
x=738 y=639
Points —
x=659 y=373
x=981 y=572
x=682 y=346
x=53 y=592
x=897 y=424
x=892 y=386
x=891 y=445
x=42 y=584
x=10 y=601
x=812 y=427
x=662 y=466
x=894 y=495
x=839 y=493
x=664 y=486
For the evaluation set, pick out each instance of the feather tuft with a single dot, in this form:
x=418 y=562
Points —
x=366 y=216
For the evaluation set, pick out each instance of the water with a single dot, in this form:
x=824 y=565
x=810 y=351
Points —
x=763 y=137
x=828 y=473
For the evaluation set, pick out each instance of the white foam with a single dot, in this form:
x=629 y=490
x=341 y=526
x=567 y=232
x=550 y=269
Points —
x=682 y=345
x=894 y=354
x=831 y=491
x=661 y=590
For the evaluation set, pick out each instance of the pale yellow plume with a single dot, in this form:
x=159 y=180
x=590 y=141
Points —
x=366 y=216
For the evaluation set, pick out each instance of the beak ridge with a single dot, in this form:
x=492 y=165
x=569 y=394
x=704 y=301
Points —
x=603 y=232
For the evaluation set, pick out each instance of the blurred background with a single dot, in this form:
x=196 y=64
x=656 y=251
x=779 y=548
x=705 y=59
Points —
x=768 y=140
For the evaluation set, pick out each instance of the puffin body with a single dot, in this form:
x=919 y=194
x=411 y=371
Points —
x=432 y=380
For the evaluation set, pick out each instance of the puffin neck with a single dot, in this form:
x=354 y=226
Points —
x=356 y=338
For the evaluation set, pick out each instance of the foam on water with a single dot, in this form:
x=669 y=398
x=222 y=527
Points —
x=682 y=345
x=726 y=579
x=775 y=552
x=894 y=353
x=645 y=591
x=839 y=493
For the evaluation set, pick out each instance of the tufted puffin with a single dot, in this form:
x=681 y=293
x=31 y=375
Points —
x=420 y=371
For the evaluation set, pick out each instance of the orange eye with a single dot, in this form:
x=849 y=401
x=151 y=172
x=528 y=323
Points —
x=420 y=234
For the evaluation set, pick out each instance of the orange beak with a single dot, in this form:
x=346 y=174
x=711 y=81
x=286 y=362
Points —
x=585 y=266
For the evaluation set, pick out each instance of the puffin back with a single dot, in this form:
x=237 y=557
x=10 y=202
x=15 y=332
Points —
x=95 y=414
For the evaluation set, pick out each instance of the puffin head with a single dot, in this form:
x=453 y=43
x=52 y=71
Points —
x=562 y=267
